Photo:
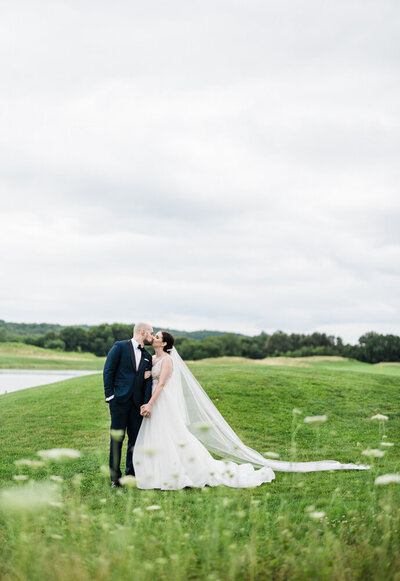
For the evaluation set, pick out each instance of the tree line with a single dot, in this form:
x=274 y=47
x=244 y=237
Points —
x=371 y=347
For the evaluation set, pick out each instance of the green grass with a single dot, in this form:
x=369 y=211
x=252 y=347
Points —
x=219 y=533
x=21 y=356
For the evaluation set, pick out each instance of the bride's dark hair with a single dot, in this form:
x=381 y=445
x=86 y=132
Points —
x=169 y=339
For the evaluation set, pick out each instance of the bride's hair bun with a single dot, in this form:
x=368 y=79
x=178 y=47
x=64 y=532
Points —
x=169 y=340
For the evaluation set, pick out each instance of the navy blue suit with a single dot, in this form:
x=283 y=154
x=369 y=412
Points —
x=130 y=390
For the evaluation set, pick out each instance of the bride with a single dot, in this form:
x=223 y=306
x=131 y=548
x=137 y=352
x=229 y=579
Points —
x=181 y=426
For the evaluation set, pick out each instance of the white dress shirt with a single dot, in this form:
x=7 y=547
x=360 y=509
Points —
x=137 y=352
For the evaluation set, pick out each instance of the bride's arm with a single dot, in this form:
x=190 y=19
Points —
x=166 y=368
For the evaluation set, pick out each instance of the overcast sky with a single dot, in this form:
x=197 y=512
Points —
x=221 y=164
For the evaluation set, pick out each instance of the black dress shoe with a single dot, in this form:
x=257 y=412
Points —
x=115 y=484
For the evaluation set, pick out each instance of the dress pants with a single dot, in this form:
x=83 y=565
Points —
x=124 y=416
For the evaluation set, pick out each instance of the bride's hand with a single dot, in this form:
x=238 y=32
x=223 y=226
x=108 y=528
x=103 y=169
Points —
x=147 y=374
x=145 y=410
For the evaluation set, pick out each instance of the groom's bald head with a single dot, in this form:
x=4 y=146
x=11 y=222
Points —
x=139 y=327
x=143 y=333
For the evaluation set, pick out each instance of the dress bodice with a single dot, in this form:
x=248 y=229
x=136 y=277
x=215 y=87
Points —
x=156 y=369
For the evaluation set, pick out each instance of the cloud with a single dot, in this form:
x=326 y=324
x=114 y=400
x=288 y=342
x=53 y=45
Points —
x=201 y=164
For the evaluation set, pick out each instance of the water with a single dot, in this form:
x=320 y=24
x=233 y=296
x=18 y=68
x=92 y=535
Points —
x=16 y=379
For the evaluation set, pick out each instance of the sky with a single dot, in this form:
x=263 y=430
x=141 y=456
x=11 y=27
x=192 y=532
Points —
x=228 y=164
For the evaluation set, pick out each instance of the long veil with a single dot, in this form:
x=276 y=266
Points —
x=207 y=424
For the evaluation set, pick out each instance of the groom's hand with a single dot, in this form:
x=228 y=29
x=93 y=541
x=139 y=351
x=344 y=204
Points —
x=145 y=410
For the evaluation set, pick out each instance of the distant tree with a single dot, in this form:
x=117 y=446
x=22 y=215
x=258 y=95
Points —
x=74 y=338
x=100 y=339
x=278 y=343
x=121 y=332
x=55 y=344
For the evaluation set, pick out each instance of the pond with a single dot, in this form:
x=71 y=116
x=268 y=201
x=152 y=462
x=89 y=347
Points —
x=16 y=379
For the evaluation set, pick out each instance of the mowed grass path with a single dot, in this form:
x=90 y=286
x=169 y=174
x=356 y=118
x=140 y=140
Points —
x=220 y=533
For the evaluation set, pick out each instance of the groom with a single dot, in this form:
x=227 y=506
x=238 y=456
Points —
x=126 y=389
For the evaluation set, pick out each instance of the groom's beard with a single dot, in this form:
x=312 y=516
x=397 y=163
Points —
x=147 y=342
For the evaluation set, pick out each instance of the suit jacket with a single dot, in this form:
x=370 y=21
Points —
x=122 y=379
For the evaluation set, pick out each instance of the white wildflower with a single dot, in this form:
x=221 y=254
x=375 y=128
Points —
x=117 y=435
x=316 y=514
x=56 y=478
x=30 y=463
x=104 y=470
x=56 y=504
x=129 y=481
x=29 y=497
x=315 y=419
x=373 y=453
x=77 y=480
x=388 y=444
x=388 y=479
x=20 y=477
x=153 y=507
x=150 y=452
x=59 y=454
x=56 y=537
x=379 y=417
x=271 y=454
x=201 y=426
x=296 y=412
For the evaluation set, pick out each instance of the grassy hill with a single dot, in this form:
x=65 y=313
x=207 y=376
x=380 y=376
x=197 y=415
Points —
x=22 y=356
x=330 y=525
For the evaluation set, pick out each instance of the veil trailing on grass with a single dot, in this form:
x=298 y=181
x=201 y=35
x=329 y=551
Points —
x=207 y=424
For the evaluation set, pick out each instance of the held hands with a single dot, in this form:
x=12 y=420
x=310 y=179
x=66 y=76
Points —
x=145 y=410
x=147 y=374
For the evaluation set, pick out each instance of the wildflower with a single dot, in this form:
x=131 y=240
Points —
x=388 y=444
x=103 y=500
x=59 y=454
x=148 y=566
x=373 y=453
x=138 y=511
x=56 y=537
x=296 y=412
x=30 y=463
x=153 y=507
x=316 y=514
x=129 y=481
x=104 y=470
x=29 y=497
x=147 y=451
x=55 y=478
x=379 y=417
x=20 y=477
x=315 y=419
x=76 y=480
x=271 y=454
x=201 y=426
x=117 y=435
x=388 y=479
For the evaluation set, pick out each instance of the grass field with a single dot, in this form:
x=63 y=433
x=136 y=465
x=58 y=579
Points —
x=21 y=356
x=328 y=525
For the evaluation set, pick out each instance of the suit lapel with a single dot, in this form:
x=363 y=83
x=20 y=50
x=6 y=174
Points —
x=133 y=356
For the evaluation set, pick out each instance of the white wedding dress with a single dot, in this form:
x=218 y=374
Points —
x=172 y=447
